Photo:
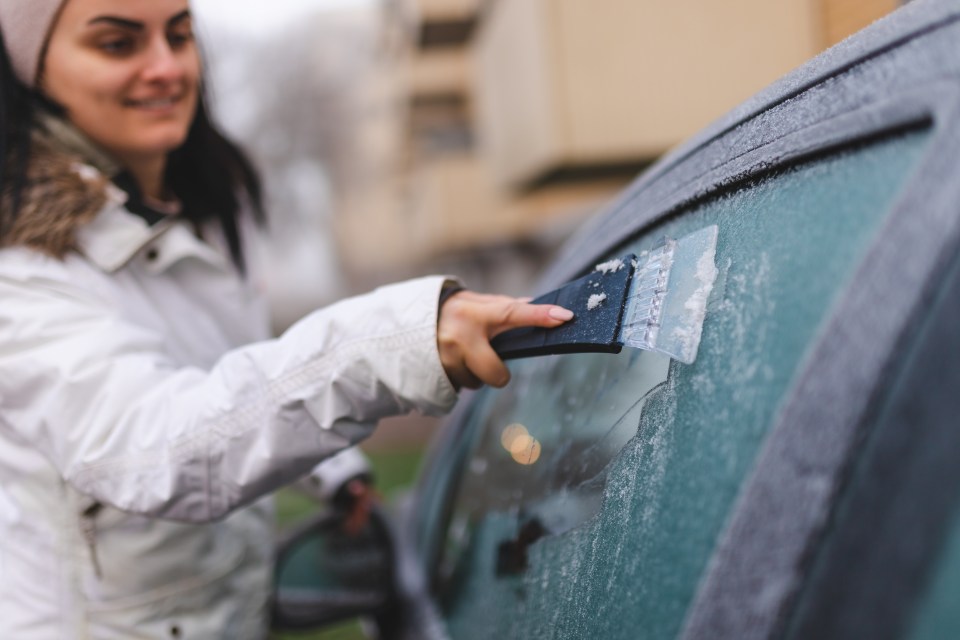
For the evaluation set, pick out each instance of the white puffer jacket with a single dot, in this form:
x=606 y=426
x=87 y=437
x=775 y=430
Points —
x=138 y=435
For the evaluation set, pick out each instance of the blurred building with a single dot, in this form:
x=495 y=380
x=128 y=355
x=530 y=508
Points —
x=515 y=119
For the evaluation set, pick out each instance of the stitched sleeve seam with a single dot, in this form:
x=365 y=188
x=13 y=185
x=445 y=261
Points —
x=248 y=416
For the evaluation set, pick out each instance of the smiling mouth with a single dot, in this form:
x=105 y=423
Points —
x=154 y=103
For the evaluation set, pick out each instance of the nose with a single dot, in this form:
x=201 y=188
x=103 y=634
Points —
x=162 y=64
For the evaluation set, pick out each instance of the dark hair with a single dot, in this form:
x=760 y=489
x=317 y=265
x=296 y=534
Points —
x=16 y=116
x=208 y=173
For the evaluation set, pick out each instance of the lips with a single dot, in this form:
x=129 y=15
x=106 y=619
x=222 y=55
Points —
x=154 y=103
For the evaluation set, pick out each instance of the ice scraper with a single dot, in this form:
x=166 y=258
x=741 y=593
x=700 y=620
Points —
x=655 y=301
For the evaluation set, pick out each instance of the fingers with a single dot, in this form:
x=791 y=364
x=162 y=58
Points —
x=478 y=366
x=487 y=366
x=501 y=313
x=460 y=375
x=518 y=314
x=468 y=321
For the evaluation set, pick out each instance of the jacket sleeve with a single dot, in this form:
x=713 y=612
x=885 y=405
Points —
x=101 y=399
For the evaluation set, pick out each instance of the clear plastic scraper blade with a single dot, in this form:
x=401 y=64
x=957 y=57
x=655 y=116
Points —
x=668 y=296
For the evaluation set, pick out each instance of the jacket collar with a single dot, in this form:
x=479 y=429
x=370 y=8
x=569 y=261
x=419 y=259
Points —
x=69 y=203
x=115 y=236
x=62 y=136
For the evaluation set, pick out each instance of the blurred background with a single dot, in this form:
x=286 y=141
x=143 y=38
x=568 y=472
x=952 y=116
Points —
x=403 y=137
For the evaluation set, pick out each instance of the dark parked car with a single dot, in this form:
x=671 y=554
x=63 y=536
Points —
x=801 y=479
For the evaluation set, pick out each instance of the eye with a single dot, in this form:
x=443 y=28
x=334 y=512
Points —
x=179 y=39
x=116 y=46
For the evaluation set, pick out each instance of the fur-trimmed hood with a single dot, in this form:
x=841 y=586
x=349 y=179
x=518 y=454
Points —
x=65 y=187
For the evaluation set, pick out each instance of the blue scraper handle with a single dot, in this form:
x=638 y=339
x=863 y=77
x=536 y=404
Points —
x=597 y=301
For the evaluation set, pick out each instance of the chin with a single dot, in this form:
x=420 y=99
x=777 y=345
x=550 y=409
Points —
x=165 y=142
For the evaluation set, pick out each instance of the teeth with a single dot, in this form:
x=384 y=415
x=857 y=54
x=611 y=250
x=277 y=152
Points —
x=165 y=102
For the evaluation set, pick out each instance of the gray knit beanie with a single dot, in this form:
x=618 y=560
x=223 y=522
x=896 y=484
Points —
x=25 y=25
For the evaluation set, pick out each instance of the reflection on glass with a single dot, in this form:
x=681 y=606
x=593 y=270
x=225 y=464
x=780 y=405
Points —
x=522 y=447
x=511 y=433
x=525 y=450
x=567 y=417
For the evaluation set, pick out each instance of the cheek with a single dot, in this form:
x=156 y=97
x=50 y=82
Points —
x=58 y=78
x=192 y=73
x=77 y=86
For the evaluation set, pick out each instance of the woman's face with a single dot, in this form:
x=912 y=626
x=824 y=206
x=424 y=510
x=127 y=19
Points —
x=127 y=72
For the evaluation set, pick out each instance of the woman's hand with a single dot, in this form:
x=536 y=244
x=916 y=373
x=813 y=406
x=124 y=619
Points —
x=467 y=323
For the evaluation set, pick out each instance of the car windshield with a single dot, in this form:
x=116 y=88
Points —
x=605 y=479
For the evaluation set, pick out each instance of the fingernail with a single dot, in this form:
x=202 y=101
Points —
x=559 y=313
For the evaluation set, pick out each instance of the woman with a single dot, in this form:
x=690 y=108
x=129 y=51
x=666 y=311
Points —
x=142 y=412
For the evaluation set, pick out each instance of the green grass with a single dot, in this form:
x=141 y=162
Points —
x=348 y=631
x=394 y=471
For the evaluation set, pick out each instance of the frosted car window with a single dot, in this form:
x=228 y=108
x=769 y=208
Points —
x=601 y=519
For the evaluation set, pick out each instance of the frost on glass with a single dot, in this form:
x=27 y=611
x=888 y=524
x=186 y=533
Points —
x=668 y=295
x=596 y=485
